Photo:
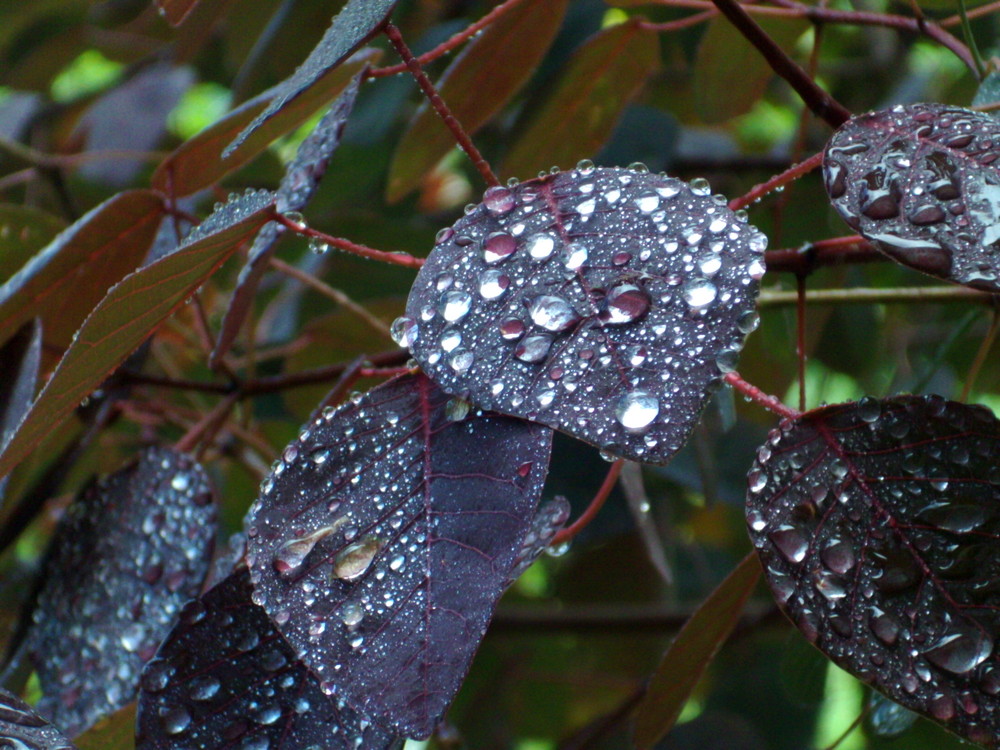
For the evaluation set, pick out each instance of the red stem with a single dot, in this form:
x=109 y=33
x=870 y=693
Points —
x=794 y=172
x=461 y=137
x=399 y=259
x=771 y=403
x=565 y=535
x=829 y=252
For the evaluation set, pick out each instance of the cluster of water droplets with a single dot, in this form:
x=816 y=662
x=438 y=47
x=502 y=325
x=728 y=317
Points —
x=237 y=208
x=129 y=553
x=877 y=523
x=225 y=672
x=603 y=302
x=921 y=181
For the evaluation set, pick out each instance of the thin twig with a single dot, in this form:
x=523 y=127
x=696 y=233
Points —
x=771 y=403
x=565 y=535
x=399 y=259
x=794 y=172
x=866 y=296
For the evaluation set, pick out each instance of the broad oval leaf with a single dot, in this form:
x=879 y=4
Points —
x=68 y=277
x=601 y=302
x=877 y=524
x=358 y=22
x=595 y=86
x=475 y=87
x=22 y=729
x=126 y=556
x=384 y=538
x=224 y=677
x=132 y=310
x=922 y=183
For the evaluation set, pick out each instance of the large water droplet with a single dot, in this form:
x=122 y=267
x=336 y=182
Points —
x=498 y=246
x=292 y=553
x=553 y=313
x=351 y=614
x=838 y=556
x=511 y=329
x=574 y=255
x=961 y=650
x=204 y=688
x=455 y=305
x=404 y=331
x=636 y=410
x=533 y=348
x=699 y=293
x=625 y=303
x=354 y=560
x=493 y=284
x=176 y=720
x=541 y=246
x=498 y=200
x=790 y=543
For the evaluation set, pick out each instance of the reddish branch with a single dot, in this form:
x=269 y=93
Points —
x=831 y=252
x=461 y=137
x=790 y=174
x=565 y=535
x=399 y=259
x=771 y=403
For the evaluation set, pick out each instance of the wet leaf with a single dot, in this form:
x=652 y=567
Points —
x=384 y=538
x=922 y=182
x=175 y=11
x=730 y=75
x=988 y=91
x=302 y=177
x=126 y=556
x=226 y=678
x=359 y=21
x=602 y=302
x=691 y=652
x=23 y=232
x=21 y=728
x=20 y=359
x=130 y=312
x=488 y=72
x=877 y=525
x=198 y=162
x=66 y=279
x=597 y=83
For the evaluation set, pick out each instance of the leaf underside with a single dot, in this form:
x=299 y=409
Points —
x=922 y=183
x=877 y=524
x=21 y=727
x=226 y=678
x=384 y=538
x=127 y=555
x=605 y=303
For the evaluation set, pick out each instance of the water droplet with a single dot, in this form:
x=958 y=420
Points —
x=553 y=313
x=450 y=339
x=493 y=284
x=748 y=322
x=699 y=293
x=317 y=246
x=888 y=718
x=574 y=255
x=180 y=482
x=727 y=359
x=790 y=543
x=534 y=348
x=625 y=303
x=869 y=409
x=961 y=650
x=756 y=480
x=498 y=200
x=498 y=246
x=292 y=553
x=204 y=688
x=404 y=331
x=585 y=167
x=636 y=410
x=176 y=720
x=700 y=186
x=461 y=361
x=457 y=409
x=648 y=202
x=268 y=714
x=132 y=636
x=511 y=329
x=351 y=614
x=354 y=560
x=540 y=246
x=838 y=556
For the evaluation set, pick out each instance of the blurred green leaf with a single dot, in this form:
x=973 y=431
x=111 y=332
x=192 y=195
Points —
x=116 y=732
x=23 y=232
x=577 y=117
x=488 y=72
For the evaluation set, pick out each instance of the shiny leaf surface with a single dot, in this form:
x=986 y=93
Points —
x=226 y=678
x=22 y=729
x=601 y=302
x=384 y=538
x=922 y=182
x=877 y=524
x=126 y=556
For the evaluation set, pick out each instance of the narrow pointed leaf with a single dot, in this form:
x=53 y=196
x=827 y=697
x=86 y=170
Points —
x=130 y=312
x=488 y=72
x=922 y=182
x=198 y=162
x=175 y=11
x=383 y=540
x=877 y=524
x=126 y=556
x=605 y=303
x=27 y=231
x=358 y=22
x=20 y=359
x=226 y=678
x=300 y=181
x=691 y=652
x=601 y=78
x=66 y=279
x=21 y=727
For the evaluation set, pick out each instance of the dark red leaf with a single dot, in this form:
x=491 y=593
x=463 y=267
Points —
x=877 y=523
x=922 y=182
x=358 y=22
x=601 y=302
x=29 y=230
x=300 y=181
x=127 y=555
x=20 y=359
x=22 y=729
x=175 y=11
x=384 y=538
x=226 y=678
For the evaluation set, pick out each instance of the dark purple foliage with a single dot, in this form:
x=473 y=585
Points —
x=22 y=729
x=127 y=555
x=358 y=22
x=877 y=523
x=384 y=538
x=922 y=183
x=225 y=678
x=20 y=358
x=300 y=181
x=601 y=302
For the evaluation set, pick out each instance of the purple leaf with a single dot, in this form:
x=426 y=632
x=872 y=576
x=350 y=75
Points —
x=358 y=22
x=921 y=182
x=300 y=181
x=128 y=553
x=384 y=538
x=877 y=524
x=20 y=358
x=22 y=729
x=226 y=678
x=602 y=302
